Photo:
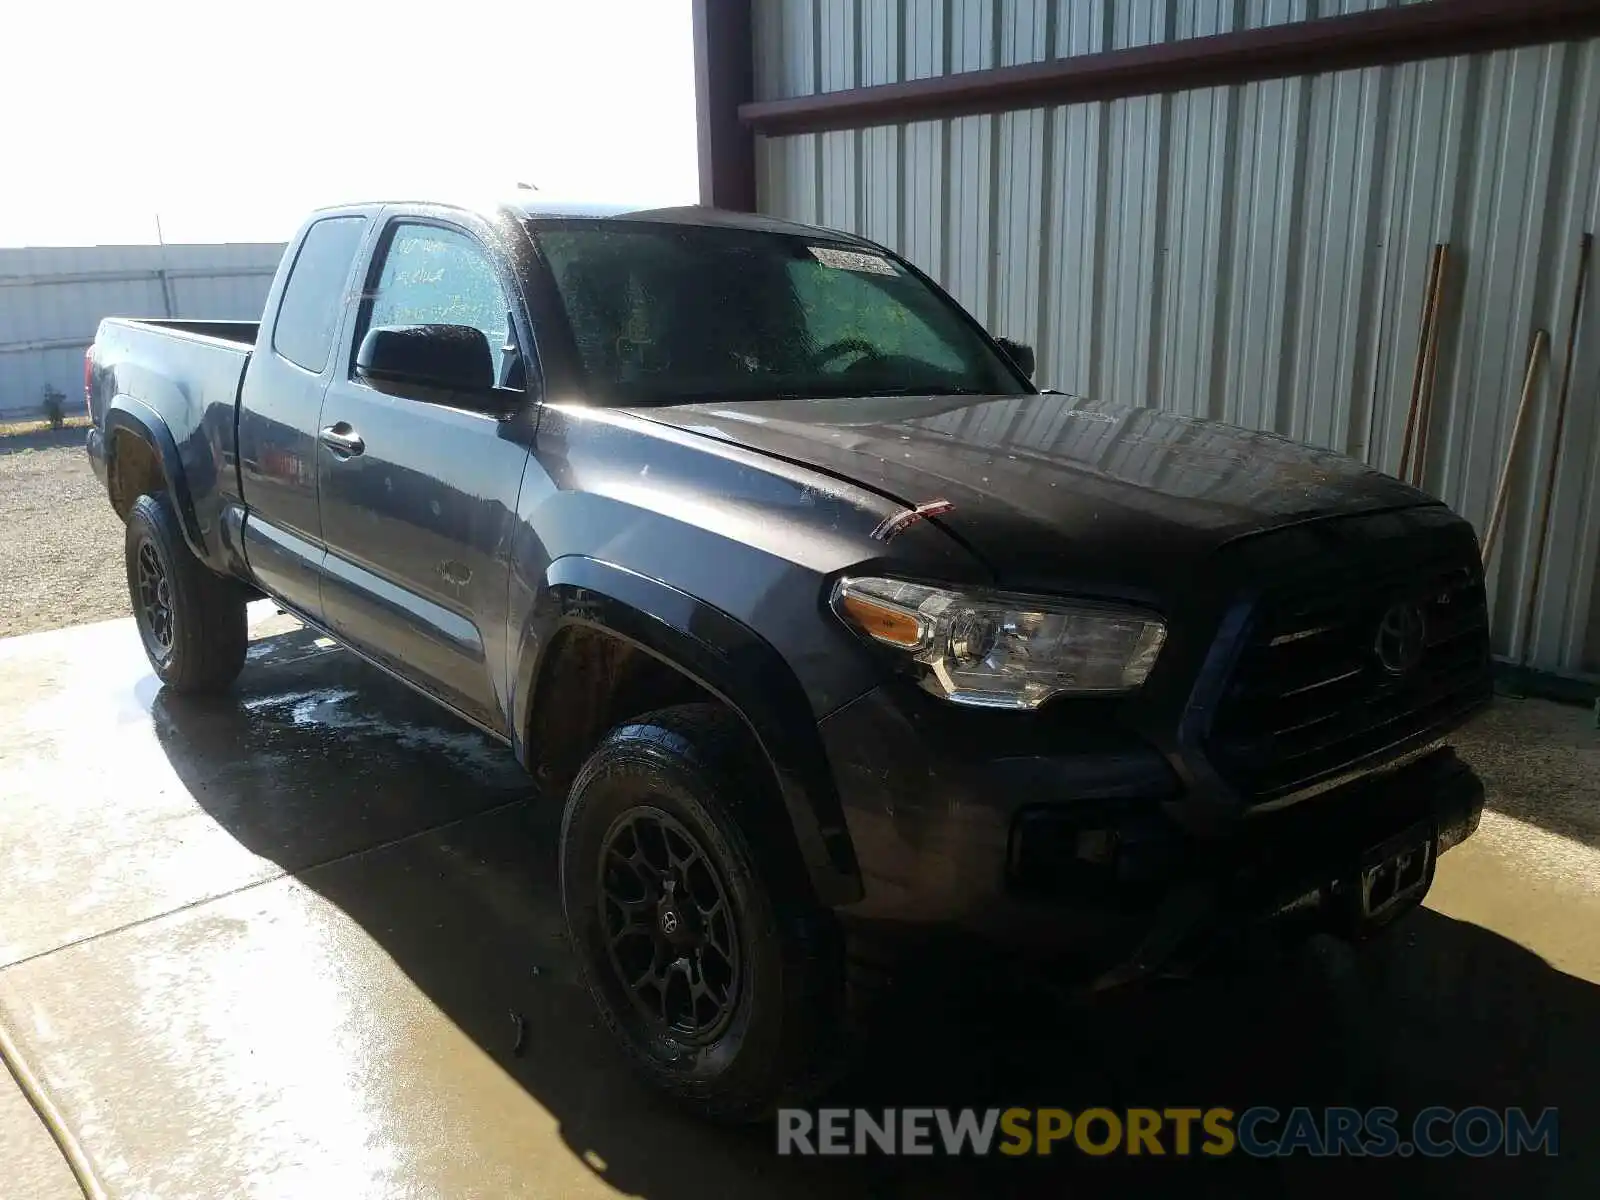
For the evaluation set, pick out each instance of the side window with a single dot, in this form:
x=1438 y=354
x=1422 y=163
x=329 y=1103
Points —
x=435 y=276
x=313 y=299
x=840 y=304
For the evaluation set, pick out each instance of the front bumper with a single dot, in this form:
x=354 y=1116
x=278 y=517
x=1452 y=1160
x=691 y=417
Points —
x=1054 y=835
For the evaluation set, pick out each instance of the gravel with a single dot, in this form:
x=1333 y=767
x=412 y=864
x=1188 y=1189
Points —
x=60 y=543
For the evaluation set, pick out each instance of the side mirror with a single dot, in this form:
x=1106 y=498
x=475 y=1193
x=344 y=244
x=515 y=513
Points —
x=450 y=358
x=1018 y=352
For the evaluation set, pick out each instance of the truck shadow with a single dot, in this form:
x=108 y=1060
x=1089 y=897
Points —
x=323 y=765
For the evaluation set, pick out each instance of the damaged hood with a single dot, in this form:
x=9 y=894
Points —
x=1049 y=488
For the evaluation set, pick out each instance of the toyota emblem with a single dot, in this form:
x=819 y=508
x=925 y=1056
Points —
x=1402 y=637
x=669 y=922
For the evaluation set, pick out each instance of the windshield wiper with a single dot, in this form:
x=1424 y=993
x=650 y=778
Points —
x=793 y=393
x=926 y=391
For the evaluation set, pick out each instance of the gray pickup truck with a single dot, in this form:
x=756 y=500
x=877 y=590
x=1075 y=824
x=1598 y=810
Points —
x=824 y=620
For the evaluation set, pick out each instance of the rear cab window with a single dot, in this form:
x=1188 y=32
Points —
x=313 y=298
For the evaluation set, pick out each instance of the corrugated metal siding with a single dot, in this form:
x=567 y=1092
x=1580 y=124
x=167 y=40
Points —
x=52 y=298
x=1257 y=253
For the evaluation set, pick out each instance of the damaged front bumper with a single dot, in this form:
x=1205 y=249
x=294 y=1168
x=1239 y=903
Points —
x=1348 y=862
x=1064 y=839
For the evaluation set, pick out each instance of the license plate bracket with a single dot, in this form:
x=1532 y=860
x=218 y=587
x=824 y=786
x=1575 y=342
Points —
x=1395 y=871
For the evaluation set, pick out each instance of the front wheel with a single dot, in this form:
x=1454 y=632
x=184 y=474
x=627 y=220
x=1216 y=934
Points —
x=191 y=620
x=717 y=974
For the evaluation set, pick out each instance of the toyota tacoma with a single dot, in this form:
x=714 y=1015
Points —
x=822 y=618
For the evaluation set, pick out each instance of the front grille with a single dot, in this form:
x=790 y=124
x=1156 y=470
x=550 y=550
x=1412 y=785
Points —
x=1311 y=699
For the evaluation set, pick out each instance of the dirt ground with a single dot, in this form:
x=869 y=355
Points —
x=61 y=557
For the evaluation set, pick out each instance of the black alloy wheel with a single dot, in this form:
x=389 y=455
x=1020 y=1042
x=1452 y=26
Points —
x=669 y=926
x=191 y=620
x=691 y=920
x=155 y=599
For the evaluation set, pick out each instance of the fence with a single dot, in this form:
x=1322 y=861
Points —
x=52 y=298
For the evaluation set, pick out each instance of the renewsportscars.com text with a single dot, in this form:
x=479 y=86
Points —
x=1259 y=1132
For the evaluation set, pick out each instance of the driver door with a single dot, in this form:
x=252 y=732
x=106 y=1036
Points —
x=419 y=497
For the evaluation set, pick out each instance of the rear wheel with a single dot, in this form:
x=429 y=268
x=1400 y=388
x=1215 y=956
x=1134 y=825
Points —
x=191 y=620
x=694 y=931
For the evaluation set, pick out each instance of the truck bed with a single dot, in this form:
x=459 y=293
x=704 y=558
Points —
x=174 y=384
x=242 y=332
x=178 y=368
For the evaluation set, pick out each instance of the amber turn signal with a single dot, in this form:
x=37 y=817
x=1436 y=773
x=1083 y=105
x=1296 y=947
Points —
x=881 y=622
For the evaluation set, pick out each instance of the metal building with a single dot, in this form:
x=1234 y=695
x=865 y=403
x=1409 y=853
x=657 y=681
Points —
x=1229 y=208
x=52 y=298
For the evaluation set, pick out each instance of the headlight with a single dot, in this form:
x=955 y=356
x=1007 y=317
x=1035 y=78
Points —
x=1004 y=651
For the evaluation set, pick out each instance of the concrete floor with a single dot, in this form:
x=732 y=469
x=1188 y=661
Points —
x=279 y=946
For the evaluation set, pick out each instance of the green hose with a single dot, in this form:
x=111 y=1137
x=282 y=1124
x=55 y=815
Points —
x=77 y=1161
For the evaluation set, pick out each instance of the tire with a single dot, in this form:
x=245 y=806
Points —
x=767 y=1028
x=191 y=620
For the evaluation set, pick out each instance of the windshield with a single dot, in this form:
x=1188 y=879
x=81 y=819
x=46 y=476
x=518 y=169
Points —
x=666 y=314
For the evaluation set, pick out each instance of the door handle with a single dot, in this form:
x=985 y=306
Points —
x=342 y=440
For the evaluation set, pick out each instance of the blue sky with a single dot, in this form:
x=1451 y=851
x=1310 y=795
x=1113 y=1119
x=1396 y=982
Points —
x=232 y=121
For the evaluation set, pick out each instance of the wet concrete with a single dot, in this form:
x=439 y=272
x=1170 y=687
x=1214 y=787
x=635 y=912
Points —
x=281 y=945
